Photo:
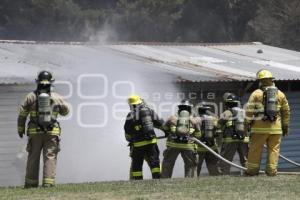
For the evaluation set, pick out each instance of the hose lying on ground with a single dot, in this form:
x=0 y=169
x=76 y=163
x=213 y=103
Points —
x=231 y=163
x=216 y=154
x=287 y=159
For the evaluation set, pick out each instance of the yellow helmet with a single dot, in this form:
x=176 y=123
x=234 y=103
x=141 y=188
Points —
x=134 y=99
x=262 y=74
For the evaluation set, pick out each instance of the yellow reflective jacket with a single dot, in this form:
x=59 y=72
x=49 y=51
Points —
x=29 y=108
x=255 y=110
x=171 y=126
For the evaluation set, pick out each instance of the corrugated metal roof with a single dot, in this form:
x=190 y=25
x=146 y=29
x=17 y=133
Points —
x=222 y=61
x=21 y=60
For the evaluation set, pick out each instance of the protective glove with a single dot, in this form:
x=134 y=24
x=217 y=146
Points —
x=21 y=135
x=285 y=131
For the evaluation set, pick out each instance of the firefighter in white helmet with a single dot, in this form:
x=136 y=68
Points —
x=42 y=106
x=268 y=113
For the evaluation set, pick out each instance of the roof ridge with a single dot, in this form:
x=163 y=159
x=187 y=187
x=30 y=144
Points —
x=127 y=43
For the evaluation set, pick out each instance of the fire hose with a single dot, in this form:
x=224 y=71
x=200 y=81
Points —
x=287 y=159
x=229 y=162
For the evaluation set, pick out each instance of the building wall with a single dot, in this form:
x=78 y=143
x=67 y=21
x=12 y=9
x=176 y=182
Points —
x=12 y=148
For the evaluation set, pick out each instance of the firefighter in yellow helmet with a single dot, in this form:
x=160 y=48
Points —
x=139 y=132
x=146 y=158
x=178 y=129
x=268 y=113
x=235 y=137
x=43 y=130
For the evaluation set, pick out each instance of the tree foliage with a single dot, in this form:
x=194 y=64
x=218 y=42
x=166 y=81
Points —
x=275 y=22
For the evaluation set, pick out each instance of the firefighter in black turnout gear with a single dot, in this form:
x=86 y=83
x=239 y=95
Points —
x=208 y=134
x=235 y=138
x=139 y=132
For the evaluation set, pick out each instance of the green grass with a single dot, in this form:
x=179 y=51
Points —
x=223 y=187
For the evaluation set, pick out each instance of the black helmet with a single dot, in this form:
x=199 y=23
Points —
x=185 y=105
x=203 y=106
x=231 y=100
x=44 y=78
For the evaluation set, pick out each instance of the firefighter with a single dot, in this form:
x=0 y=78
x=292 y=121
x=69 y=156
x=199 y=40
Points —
x=139 y=132
x=43 y=130
x=146 y=158
x=235 y=138
x=268 y=114
x=208 y=134
x=178 y=129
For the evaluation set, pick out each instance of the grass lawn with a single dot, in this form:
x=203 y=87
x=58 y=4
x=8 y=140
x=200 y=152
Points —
x=223 y=187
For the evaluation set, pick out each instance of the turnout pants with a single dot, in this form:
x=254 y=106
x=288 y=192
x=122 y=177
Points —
x=151 y=152
x=130 y=170
x=256 y=148
x=170 y=155
x=49 y=146
x=211 y=163
x=228 y=151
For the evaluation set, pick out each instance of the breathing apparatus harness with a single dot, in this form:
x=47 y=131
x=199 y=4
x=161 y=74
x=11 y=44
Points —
x=207 y=126
x=270 y=101
x=44 y=109
x=142 y=115
x=183 y=123
x=237 y=121
x=208 y=130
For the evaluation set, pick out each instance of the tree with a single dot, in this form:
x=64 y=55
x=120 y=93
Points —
x=14 y=19
x=55 y=19
x=201 y=22
x=277 y=23
x=146 y=20
x=236 y=14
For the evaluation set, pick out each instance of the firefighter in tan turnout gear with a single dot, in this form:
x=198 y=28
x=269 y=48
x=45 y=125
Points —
x=268 y=113
x=43 y=130
x=235 y=138
x=209 y=131
x=178 y=129
x=139 y=132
